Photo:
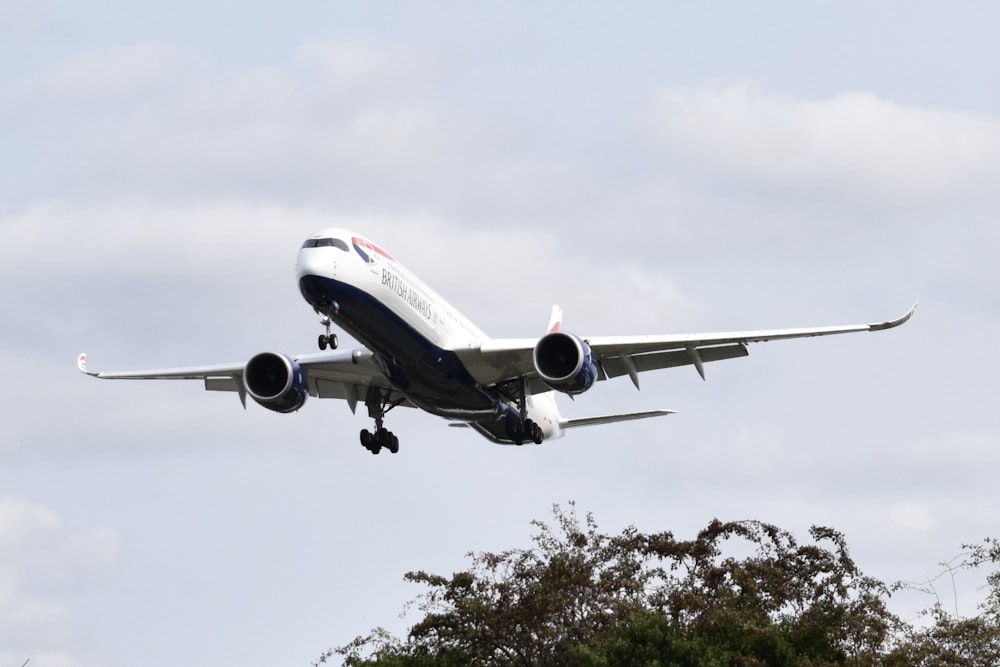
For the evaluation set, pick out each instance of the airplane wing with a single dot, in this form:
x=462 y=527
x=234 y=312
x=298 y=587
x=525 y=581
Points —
x=499 y=360
x=343 y=374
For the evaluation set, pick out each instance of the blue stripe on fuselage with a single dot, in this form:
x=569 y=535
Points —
x=431 y=377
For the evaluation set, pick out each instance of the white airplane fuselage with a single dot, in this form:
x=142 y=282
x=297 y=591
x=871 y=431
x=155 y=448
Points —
x=412 y=331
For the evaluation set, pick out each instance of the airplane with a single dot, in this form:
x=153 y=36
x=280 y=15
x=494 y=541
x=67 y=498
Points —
x=420 y=352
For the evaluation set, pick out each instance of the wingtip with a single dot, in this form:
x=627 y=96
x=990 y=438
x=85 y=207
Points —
x=81 y=363
x=891 y=324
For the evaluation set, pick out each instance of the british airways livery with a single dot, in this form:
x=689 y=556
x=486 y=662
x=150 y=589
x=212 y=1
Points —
x=420 y=352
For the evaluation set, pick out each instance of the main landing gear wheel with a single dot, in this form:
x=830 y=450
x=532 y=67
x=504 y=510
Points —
x=519 y=428
x=535 y=432
x=520 y=432
x=382 y=438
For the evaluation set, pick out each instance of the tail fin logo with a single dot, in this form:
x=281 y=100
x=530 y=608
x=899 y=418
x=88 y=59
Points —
x=367 y=249
x=555 y=320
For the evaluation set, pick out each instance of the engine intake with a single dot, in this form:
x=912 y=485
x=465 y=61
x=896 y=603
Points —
x=565 y=362
x=276 y=382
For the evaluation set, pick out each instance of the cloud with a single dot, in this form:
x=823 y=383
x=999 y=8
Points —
x=855 y=143
x=198 y=241
x=42 y=563
x=343 y=121
x=112 y=73
x=221 y=248
x=36 y=546
x=910 y=517
x=357 y=65
x=23 y=22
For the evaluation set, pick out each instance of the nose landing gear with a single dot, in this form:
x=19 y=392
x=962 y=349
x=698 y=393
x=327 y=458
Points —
x=328 y=339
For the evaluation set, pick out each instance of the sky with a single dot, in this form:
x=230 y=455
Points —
x=652 y=167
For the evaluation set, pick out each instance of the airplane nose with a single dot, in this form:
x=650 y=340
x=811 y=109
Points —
x=315 y=262
x=315 y=269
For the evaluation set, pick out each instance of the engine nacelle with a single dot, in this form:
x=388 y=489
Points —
x=276 y=382
x=565 y=362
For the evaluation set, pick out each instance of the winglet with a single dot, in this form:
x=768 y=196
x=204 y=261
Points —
x=882 y=326
x=81 y=363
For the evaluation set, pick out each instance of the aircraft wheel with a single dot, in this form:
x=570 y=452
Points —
x=370 y=442
x=536 y=434
x=323 y=341
x=333 y=341
x=383 y=437
x=515 y=430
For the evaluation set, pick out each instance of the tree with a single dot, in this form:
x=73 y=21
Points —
x=581 y=597
x=951 y=640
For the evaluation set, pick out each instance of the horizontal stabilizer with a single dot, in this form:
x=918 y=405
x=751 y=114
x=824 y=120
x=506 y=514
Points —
x=610 y=419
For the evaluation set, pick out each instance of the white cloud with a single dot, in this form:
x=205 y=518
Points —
x=22 y=524
x=41 y=564
x=35 y=545
x=533 y=270
x=112 y=73
x=854 y=142
x=910 y=518
x=23 y=21
x=220 y=238
x=43 y=659
x=231 y=246
x=345 y=122
x=361 y=65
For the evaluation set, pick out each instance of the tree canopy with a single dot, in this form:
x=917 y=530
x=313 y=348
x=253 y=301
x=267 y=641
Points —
x=741 y=593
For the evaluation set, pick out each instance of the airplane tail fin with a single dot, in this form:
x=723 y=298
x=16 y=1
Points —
x=555 y=320
x=610 y=419
x=555 y=323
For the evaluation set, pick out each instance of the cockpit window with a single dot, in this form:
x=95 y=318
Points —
x=326 y=242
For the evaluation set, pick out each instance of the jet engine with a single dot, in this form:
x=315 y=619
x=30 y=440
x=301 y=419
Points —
x=565 y=362
x=276 y=382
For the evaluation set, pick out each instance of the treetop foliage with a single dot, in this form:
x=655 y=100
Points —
x=740 y=593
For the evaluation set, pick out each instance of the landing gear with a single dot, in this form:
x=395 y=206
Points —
x=378 y=404
x=328 y=339
x=381 y=438
x=520 y=429
x=535 y=432
x=524 y=431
